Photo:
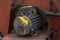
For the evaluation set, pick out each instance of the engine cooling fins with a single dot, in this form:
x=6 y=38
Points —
x=28 y=21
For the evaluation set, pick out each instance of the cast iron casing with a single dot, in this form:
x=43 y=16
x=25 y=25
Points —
x=36 y=21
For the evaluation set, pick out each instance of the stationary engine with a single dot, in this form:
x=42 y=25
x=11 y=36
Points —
x=28 y=20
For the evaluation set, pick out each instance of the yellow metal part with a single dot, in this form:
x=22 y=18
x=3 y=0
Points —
x=25 y=21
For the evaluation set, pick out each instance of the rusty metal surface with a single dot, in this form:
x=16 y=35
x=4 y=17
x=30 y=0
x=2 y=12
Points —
x=41 y=36
x=4 y=16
